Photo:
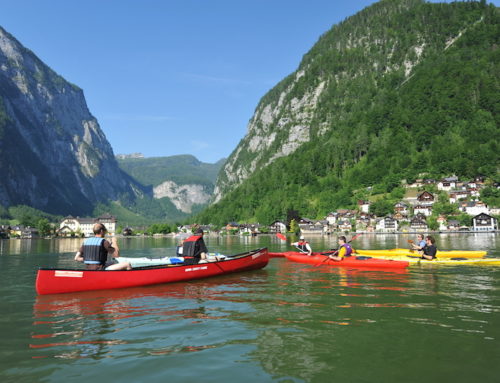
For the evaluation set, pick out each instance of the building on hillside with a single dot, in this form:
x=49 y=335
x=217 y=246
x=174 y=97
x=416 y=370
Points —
x=332 y=218
x=484 y=222
x=453 y=225
x=401 y=208
x=425 y=198
x=344 y=225
x=448 y=183
x=458 y=195
x=387 y=225
x=441 y=220
x=417 y=223
x=277 y=227
x=249 y=229
x=474 y=208
x=423 y=209
x=495 y=210
x=364 y=206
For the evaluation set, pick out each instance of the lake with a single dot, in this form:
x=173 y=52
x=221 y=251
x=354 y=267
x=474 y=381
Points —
x=285 y=323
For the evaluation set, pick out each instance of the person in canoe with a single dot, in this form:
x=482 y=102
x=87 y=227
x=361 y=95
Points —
x=345 y=250
x=430 y=248
x=194 y=249
x=303 y=246
x=94 y=251
x=419 y=244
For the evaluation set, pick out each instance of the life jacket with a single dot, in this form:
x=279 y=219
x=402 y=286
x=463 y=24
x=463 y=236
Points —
x=348 y=249
x=94 y=251
x=302 y=246
x=189 y=248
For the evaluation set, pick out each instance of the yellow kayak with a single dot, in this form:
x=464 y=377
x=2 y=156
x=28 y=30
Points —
x=416 y=260
x=407 y=252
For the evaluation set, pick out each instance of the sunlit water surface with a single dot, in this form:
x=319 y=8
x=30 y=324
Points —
x=287 y=323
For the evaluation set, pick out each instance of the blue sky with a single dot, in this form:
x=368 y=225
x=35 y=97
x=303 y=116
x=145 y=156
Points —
x=167 y=77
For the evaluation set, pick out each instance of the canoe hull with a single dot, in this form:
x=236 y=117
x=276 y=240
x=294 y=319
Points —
x=407 y=252
x=55 y=281
x=353 y=261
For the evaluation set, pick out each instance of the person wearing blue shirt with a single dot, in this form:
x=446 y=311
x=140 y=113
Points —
x=420 y=244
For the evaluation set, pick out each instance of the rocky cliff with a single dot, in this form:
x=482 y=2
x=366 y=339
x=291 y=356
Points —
x=53 y=154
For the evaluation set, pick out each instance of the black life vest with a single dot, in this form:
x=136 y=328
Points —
x=191 y=247
x=94 y=251
x=302 y=246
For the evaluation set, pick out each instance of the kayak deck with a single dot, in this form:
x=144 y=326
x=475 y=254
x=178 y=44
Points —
x=408 y=252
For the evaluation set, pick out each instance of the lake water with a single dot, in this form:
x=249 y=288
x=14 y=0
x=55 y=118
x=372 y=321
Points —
x=286 y=323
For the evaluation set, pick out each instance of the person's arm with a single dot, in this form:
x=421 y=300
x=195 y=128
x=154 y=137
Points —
x=340 y=255
x=112 y=247
x=79 y=255
x=309 y=250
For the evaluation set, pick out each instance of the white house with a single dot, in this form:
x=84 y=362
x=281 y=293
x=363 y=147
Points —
x=423 y=209
x=84 y=226
x=474 y=208
x=484 y=222
x=387 y=224
x=447 y=184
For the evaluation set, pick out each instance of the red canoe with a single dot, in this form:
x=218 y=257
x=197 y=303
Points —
x=318 y=259
x=55 y=281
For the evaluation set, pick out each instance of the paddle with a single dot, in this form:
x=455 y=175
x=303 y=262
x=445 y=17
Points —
x=336 y=251
x=281 y=236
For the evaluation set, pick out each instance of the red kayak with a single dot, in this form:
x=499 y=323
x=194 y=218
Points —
x=55 y=281
x=352 y=261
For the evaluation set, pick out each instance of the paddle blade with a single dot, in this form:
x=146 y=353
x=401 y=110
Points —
x=281 y=236
x=411 y=241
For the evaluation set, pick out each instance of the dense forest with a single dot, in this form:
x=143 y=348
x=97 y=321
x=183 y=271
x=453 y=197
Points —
x=379 y=120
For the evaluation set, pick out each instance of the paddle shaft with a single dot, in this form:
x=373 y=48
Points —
x=337 y=251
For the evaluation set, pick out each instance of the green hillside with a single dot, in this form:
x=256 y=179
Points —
x=182 y=169
x=411 y=87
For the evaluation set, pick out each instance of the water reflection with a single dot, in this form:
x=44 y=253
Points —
x=99 y=323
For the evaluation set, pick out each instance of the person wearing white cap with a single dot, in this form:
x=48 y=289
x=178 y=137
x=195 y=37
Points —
x=303 y=246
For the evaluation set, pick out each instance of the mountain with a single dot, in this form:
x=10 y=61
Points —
x=53 y=154
x=401 y=88
x=182 y=179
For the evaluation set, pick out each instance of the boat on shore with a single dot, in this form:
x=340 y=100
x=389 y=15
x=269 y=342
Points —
x=319 y=259
x=55 y=281
x=408 y=252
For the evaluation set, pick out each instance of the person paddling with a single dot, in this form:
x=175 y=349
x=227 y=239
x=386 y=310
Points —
x=419 y=246
x=303 y=245
x=345 y=250
x=194 y=249
x=430 y=249
x=94 y=252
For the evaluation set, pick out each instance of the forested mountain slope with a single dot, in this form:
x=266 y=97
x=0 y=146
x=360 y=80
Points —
x=402 y=87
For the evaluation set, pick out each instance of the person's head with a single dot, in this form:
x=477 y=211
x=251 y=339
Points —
x=198 y=231
x=342 y=239
x=99 y=228
x=301 y=238
x=420 y=237
x=430 y=239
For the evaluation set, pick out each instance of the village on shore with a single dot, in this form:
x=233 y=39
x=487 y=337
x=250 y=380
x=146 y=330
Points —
x=410 y=215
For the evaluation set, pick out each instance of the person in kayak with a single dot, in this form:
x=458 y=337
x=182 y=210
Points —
x=303 y=246
x=94 y=252
x=430 y=250
x=194 y=249
x=345 y=250
x=420 y=244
